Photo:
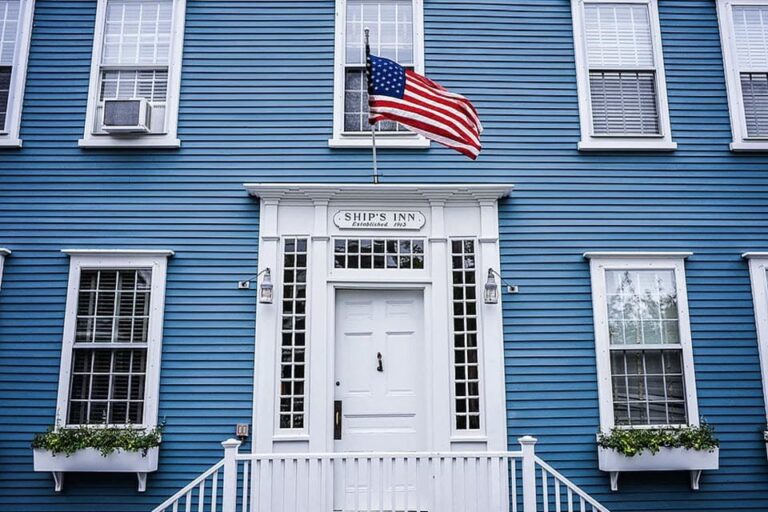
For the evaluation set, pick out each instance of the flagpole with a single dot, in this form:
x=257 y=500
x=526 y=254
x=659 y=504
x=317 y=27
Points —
x=370 y=91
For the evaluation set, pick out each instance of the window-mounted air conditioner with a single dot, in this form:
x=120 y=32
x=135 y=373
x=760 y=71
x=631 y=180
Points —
x=127 y=116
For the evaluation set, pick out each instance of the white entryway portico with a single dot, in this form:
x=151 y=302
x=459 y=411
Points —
x=378 y=338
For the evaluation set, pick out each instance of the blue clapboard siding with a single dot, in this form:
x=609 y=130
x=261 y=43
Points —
x=256 y=105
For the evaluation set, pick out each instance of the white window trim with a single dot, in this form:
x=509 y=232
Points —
x=165 y=140
x=741 y=141
x=591 y=142
x=383 y=139
x=157 y=260
x=599 y=262
x=3 y=253
x=758 y=266
x=9 y=134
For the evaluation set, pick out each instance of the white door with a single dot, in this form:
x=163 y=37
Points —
x=380 y=371
x=380 y=376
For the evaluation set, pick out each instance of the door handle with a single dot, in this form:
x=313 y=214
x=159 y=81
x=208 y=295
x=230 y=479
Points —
x=337 y=419
x=380 y=365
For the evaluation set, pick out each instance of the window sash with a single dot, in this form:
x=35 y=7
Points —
x=294 y=334
x=465 y=373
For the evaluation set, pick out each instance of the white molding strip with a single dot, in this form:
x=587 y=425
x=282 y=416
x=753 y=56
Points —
x=750 y=255
x=637 y=254
x=119 y=252
x=361 y=191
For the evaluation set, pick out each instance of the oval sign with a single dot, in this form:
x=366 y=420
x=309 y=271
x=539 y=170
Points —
x=379 y=219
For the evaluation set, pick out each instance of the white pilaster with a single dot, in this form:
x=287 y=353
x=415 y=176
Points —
x=267 y=330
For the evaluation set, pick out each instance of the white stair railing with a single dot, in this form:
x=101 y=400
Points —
x=368 y=481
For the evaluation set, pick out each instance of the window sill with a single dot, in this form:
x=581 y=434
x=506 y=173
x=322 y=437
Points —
x=10 y=142
x=747 y=146
x=627 y=145
x=148 y=141
x=382 y=141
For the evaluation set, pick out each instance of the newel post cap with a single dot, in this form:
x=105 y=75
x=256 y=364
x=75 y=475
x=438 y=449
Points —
x=231 y=444
x=527 y=440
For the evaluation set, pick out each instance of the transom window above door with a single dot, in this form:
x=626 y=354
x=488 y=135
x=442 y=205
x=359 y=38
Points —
x=395 y=33
x=378 y=253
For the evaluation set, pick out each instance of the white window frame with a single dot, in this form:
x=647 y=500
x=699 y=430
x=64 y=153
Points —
x=758 y=266
x=599 y=262
x=9 y=134
x=741 y=141
x=168 y=139
x=157 y=260
x=590 y=141
x=3 y=253
x=383 y=139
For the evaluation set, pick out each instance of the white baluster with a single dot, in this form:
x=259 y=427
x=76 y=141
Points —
x=544 y=490
x=201 y=496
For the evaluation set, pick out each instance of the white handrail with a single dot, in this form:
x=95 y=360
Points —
x=170 y=502
x=570 y=485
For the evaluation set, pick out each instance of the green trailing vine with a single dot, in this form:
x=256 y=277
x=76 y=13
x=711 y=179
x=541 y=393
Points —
x=106 y=440
x=632 y=441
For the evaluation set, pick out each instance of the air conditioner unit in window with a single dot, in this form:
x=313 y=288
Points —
x=127 y=116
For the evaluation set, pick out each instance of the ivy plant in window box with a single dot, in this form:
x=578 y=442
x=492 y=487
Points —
x=690 y=448
x=97 y=449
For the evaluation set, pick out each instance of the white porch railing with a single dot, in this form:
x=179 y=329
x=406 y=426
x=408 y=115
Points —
x=401 y=482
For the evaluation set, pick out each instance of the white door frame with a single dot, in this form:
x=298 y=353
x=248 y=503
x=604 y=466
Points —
x=306 y=210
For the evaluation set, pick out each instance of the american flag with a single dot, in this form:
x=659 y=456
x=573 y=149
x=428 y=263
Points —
x=423 y=106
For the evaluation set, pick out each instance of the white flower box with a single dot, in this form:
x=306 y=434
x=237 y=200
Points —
x=666 y=459
x=91 y=460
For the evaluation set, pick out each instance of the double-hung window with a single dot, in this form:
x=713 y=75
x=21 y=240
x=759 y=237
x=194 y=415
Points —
x=643 y=340
x=396 y=33
x=620 y=71
x=110 y=364
x=758 y=271
x=744 y=35
x=15 y=33
x=135 y=74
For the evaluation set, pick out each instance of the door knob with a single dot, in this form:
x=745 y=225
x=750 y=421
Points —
x=380 y=365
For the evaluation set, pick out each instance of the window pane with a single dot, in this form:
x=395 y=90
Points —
x=131 y=84
x=751 y=35
x=624 y=103
x=648 y=387
x=137 y=32
x=391 y=26
x=465 y=349
x=107 y=386
x=754 y=88
x=9 y=25
x=618 y=35
x=5 y=87
x=642 y=307
x=293 y=336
